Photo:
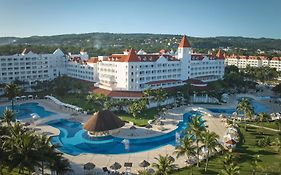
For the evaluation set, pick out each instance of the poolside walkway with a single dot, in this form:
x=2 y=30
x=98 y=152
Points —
x=100 y=160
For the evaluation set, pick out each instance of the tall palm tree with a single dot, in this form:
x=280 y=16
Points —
x=196 y=127
x=255 y=164
x=263 y=117
x=60 y=165
x=211 y=143
x=230 y=166
x=11 y=91
x=164 y=165
x=186 y=148
x=277 y=144
x=159 y=96
x=45 y=150
x=8 y=116
x=245 y=106
x=21 y=150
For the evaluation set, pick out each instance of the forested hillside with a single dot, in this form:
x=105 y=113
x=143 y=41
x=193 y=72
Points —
x=107 y=43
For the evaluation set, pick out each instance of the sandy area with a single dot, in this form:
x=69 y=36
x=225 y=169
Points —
x=172 y=117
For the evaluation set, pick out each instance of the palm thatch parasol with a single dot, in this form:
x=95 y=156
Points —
x=144 y=164
x=89 y=166
x=148 y=126
x=115 y=166
x=103 y=121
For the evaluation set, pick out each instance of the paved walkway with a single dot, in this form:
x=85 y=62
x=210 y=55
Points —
x=100 y=160
x=271 y=129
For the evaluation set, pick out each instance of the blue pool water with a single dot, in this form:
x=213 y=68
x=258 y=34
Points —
x=23 y=111
x=74 y=140
x=258 y=108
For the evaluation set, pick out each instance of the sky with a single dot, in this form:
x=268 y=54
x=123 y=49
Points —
x=202 y=18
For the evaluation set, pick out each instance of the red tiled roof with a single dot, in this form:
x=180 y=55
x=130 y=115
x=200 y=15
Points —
x=133 y=94
x=184 y=42
x=219 y=55
x=231 y=142
x=162 y=81
x=93 y=60
x=133 y=57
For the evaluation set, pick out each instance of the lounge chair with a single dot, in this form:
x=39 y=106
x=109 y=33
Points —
x=104 y=169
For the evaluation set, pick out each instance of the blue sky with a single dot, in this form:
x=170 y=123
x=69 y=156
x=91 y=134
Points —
x=249 y=18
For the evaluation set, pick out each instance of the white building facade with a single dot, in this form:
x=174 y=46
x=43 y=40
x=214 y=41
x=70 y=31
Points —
x=117 y=73
x=31 y=67
x=254 y=61
x=137 y=72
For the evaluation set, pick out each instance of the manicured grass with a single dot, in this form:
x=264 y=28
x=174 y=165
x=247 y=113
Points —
x=273 y=124
x=271 y=160
x=77 y=100
x=141 y=120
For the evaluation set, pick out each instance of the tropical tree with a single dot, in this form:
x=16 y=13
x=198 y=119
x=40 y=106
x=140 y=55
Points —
x=60 y=165
x=164 y=165
x=20 y=147
x=8 y=116
x=245 y=106
x=255 y=164
x=137 y=106
x=143 y=172
x=45 y=151
x=159 y=95
x=230 y=166
x=195 y=129
x=11 y=91
x=210 y=143
x=186 y=148
x=263 y=117
x=276 y=143
x=99 y=100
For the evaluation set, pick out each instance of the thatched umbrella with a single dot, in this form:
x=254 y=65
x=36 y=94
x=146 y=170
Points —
x=144 y=164
x=133 y=127
x=148 y=126
x=89 y=166
x=103 y=121
x=115 y=166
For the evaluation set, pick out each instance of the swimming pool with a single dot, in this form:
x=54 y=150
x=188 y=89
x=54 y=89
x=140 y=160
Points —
x=258 y=108
x=23 y=111
x=74 y=140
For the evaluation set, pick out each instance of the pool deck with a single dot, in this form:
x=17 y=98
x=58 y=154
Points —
x=214 y=124
x=100 y=160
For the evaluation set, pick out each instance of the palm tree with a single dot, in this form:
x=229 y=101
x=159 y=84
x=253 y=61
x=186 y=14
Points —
x=11 y=91
x=60 y=165
x=8 y=116
x=255 y=164
x=245 y=106
x=277 y=144
x=230 y=166
x=160 y=95
x=143 y=172
x=196 y=127
x=45 y=150
x=263 y=117
x=186 y=148
x=20 y=147
x=209 y=142
x=164 y=166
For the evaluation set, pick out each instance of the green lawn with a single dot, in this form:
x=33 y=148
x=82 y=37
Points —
x=271 y=160
x=142 y=120
x=273 y=125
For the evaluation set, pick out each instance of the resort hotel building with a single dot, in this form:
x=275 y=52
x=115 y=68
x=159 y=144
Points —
x=254 y=61
x=118 y=75
x=31 y=67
